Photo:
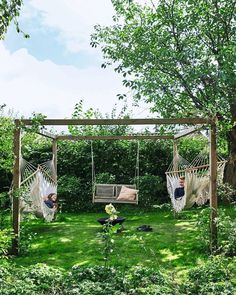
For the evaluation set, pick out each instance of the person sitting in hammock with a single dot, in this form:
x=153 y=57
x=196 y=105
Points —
x=179 y=191
x=51 y=201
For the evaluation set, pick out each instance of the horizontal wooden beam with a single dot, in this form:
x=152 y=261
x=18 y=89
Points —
x=47 y=134
x=113 y=137
x=188 y=131
x=157 y=121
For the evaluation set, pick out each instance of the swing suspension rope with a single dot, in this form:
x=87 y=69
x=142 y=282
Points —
x=136 y=173
x=137 y=165
x=93 y=168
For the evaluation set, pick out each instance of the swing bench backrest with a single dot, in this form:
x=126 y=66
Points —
x=108 y=193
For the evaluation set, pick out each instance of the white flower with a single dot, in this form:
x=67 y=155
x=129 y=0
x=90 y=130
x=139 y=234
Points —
x=110 y=209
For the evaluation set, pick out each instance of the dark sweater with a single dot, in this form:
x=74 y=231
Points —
x=49 y=203
x=179 y=192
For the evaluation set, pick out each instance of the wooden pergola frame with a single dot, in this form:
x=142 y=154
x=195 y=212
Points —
x=197 y=122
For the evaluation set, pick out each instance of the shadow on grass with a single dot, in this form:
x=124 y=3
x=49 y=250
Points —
x=173 y=242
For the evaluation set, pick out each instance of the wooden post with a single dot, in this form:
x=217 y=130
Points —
x=175 y=167
x=16 y=186
x=54 y=152
x=213 y=188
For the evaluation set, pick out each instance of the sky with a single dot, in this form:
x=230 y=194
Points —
x=56 y=67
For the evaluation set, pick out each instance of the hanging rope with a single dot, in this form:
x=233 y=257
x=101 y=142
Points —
x=109 y=192
x=137 y=165
x=93 y=168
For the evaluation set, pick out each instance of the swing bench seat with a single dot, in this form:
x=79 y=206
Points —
x=108 y=193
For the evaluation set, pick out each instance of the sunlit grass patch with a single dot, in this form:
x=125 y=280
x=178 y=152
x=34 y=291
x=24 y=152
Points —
x=173 y=244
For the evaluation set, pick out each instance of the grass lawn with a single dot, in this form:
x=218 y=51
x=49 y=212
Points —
x=76 y=239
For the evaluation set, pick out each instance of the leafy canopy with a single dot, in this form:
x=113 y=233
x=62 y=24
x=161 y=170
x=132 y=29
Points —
x=177 y=54
x=9 y=12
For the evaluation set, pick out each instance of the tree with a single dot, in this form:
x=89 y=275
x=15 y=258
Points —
x=9 y=11
x=6 y=148
x=179 y=55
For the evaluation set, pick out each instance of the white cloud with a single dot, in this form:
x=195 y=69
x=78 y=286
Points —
x=29 y=85
x=74 y=19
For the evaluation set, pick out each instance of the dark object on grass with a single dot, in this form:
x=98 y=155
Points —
x=104 y=220
x=144 y=228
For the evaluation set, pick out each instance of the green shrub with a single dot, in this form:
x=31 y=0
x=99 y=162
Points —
x=213 y=278
x=226 y=193
x=94 y=274
x=45 y=278
x=227 y=234
x=107 y=280
x=146 y=279
x=26 y=235
x=73 y=195
x=105 y=178
x=35 y=280
x=4 y=210
x=226 y=231
x=152 y=190
x=5 y=242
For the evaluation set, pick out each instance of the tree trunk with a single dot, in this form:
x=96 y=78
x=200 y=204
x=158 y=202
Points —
x=230 y=169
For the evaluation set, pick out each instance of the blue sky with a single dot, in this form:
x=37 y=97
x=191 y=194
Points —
x=57 y=67
x=45 y=43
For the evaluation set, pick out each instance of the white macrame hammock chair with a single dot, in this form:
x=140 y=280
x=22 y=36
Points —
x=37 y=183
x=197 y=180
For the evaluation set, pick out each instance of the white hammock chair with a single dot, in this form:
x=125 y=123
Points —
x=197 y=179
x=38 y=183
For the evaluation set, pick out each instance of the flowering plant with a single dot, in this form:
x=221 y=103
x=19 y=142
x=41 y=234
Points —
x=111 y=211
x=108 y=231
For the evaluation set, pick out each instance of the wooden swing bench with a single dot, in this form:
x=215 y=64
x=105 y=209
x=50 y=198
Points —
x=108 y=193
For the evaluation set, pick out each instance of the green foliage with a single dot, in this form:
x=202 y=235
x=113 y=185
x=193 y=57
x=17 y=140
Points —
x=226 y=193
x=27 y=236
x=190 y=147
x=108 y=242
x=115 y=162
x=212 y=278
x=6 y=151
x=152 y=191
x=73 y=195
x=36 y=123
x=105 y=177
x=179 y=56
x=9 y=11
x=203 y=226
x=150 y=45
x=80 y=113
x=227 y=234
x=108 y=280
x=109 y=229
x=6 y=236
x=37 y=279
x=4 y=209
x=226 y=231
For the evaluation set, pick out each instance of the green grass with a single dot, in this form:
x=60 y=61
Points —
x=77 y=241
